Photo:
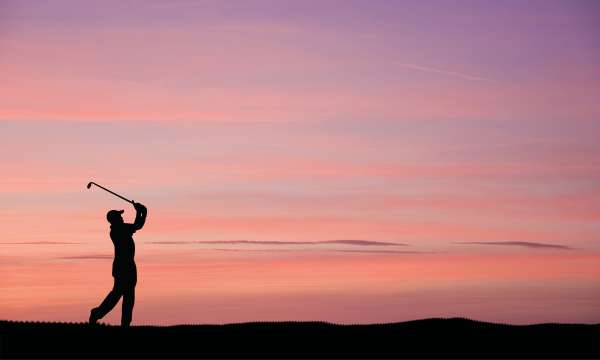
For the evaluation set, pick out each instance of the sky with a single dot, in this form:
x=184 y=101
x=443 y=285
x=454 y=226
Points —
x=344 y=161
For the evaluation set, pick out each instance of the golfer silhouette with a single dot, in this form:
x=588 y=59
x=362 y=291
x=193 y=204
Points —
x=124 y=270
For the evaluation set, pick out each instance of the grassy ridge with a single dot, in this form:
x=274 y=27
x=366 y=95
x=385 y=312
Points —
x=430 y=338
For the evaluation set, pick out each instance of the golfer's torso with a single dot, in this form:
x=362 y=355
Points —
x=122 y=239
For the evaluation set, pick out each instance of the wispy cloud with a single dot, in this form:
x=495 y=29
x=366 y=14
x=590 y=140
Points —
x=253 y=242
x=39 y=243
x=325 y=250
x=272 y=250
x=385 y=251
x=86 y=257
x=171 y=242
x=442 y=71
x=364 y=243
x=278 y=246
x=527 y=244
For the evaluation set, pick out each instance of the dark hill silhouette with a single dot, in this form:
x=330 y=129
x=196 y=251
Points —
x=430 y=338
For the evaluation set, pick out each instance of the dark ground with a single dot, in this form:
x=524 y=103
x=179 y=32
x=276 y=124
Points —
x=431 y=338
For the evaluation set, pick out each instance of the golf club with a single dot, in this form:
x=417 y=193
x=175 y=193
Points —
x=89 y=185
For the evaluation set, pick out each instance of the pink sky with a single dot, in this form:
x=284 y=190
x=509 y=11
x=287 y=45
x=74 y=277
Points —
x=466 y=133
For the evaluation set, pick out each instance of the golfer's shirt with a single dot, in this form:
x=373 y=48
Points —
x=122 y=237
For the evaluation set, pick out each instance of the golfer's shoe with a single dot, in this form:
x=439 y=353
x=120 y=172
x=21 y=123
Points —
x=94 y=316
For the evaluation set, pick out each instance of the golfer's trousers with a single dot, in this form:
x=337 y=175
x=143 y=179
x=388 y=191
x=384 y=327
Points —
x=124 y=286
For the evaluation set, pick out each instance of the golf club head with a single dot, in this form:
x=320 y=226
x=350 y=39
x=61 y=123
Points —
x=89 y=185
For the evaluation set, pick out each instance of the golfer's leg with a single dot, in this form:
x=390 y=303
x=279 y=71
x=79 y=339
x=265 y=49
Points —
x=128 y=301
x=109 y=302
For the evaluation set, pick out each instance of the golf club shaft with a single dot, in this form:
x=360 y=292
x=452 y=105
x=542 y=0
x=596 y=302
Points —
x=112 y=192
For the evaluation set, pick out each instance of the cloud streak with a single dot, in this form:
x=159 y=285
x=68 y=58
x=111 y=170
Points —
x=385 y=251
x=527 y=244
x=253 y=242
x=442 y=71
x=39 y=243
x=86 y=257
x=391 y=252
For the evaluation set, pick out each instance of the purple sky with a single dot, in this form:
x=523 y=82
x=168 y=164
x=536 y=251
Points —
x=260 y=133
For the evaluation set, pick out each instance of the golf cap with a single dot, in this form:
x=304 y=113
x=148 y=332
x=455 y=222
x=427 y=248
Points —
x=114 y=214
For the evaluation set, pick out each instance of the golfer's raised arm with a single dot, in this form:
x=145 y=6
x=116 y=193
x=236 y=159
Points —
x=140 y=215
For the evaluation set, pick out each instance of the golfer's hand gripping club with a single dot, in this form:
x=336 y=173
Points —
x=139 y=207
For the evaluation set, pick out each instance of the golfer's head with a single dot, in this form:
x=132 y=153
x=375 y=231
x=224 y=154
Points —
x=115 y=216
